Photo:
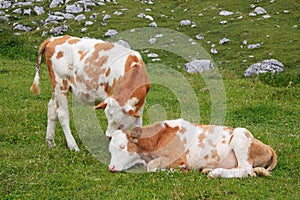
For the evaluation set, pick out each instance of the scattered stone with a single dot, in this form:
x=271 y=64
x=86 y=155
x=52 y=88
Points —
x=5 y=4
x=260 y=10
x=223 y=22
x=185 y=22
x=198 y=66
x=267 y=16
x=225 y=13
x=84 y=29
x=52 y=18
x=74 y=8
x=39 y=10
x=123 y=43
x=273 y=66
x=252 y=14
x=55 y=3
x=199 y=37
x=117 y=13
x=152 y=55
x=17 y=11
x=152 y=40
x=111 y=32
x=88 y=23
x=106 y=17
x=224 y=40
x=153 y=24
x=213 y=51
x=21 y=27
x=80 y=17
x=58 y=30
x=254 y=46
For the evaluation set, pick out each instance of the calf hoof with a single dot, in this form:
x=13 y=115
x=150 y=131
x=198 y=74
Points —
x=73 y=147
x=51 y=143
x=206 y=171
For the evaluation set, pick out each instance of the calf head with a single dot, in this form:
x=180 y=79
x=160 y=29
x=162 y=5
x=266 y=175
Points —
x=119 y=117
x=123 y=150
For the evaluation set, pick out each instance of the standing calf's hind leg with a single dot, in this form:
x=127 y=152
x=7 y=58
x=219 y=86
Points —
x=52 y=118
x=64 y=118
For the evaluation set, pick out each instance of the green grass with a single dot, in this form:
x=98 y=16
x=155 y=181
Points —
x=268 y=105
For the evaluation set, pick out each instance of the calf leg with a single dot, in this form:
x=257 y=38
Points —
x=240 y=144
x=64 y=118
x=52 y=118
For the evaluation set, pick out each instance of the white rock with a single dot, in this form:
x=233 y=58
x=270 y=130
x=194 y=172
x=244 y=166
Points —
x=272 y=65
x=106 y=17
x=74 y=8
x=39 y=10
x=152 y=40
x=55 y=3
x=152 y=55
x=27 y=11
x=153 y=24
x=88 y=23
x=254 y=46
x=260 y=10
x=213 y=51
x=267 y=16
x=80 y=17
x=185 y=22
x=198 y=66
x=224 y=40
x=225 y=13
x=223 y=22
x=123 y=43
x=17 y=11
x=111 y=32
x=199 y=37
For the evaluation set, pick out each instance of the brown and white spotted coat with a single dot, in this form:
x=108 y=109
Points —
x=217 y=150
x=98 y=73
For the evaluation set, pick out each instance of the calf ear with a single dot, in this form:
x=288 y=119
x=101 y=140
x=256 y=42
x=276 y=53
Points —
x=133 y=113
x=135 y=133
x=100 y=105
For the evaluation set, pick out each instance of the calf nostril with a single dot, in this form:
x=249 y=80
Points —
x=112 y=169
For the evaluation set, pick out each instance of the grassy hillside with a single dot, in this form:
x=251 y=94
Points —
x=268 y=105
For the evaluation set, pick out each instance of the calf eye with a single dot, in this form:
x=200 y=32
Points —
x=121 y=126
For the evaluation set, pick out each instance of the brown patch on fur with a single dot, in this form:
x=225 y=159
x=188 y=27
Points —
x=156 y=141
x=248 y=135
x=134 y=83
x=214 y=155
x=49 y=51
x=261 y=155
x=59 y=55
x=73 y=41
x=206 y=157
x=82 y=54
x=201 y=138
x=130 y=59
x=182 y=130
x=230 y=139
x=107 y=72
x=228 y=129
x=211 y=129
x=64 y=85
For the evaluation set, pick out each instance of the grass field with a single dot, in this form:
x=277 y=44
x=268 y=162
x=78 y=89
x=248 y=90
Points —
x=268 y=105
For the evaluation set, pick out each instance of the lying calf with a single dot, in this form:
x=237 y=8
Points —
x=217 y=150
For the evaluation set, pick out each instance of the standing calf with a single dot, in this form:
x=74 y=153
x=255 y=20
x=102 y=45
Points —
x=98 y=73
x=217 y=150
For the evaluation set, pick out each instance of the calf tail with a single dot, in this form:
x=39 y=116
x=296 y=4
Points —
x=273 y=160
x=35 y=85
